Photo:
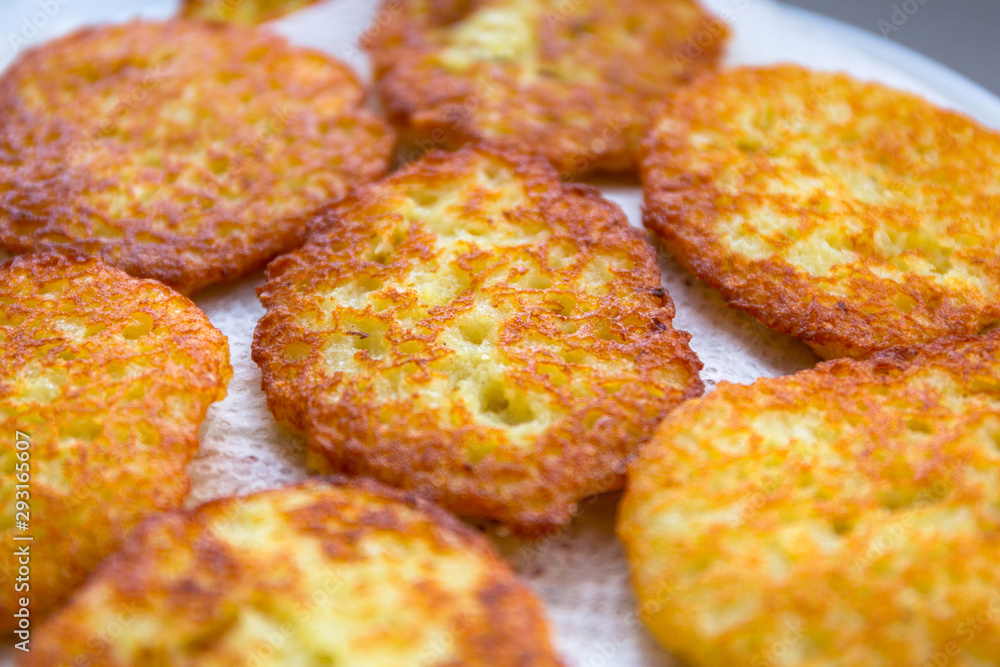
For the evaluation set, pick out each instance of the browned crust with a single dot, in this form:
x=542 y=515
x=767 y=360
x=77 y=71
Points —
x=534 y=486
x=183 y=151
x=916 y=152
x=241 y=12
x=873 y=481
x=513 y=632
x=130 y=368
x=602 y=66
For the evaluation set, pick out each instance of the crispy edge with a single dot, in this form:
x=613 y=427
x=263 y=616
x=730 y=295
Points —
x=680 y=210
x=510 y=604
x=46 y=266
x=147 y=260
x=330 y=454
x=963 y=355
x=453 y=123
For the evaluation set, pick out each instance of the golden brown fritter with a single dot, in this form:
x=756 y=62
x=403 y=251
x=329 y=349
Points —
x=574 y=80
x=471 y=329
x=241 y=12
x=109 y=377
x=847 y=214
x=847 y=515
x=182 y=151
x=328 y=572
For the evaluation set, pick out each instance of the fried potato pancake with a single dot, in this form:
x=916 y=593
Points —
x=474 y=330
x=241 y=12
x=846 y=515
x=182 y=151
x=328 y=572
x=850 y=215
x=109 y=378
x=574 y=81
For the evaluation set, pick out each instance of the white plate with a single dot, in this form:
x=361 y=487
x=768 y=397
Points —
x=964 y=94
x=581 y=572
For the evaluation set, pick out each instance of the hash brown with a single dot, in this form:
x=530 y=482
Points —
x=474 y=330
x=329 y=572
x=110 y=377
x=241 y=12
x=847 y=515
x=850 y=215
x=574 y=81
x=183 y=151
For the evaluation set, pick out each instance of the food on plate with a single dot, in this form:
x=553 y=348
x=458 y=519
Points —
x=850 y=215
x=241 y=12
x=104 y=380
x=572 y=80
x=471 y=329
x=846 y=515
x=328 y=572
x=182 y=151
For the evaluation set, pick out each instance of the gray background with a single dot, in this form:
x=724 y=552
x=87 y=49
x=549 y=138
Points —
x=961 y=34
